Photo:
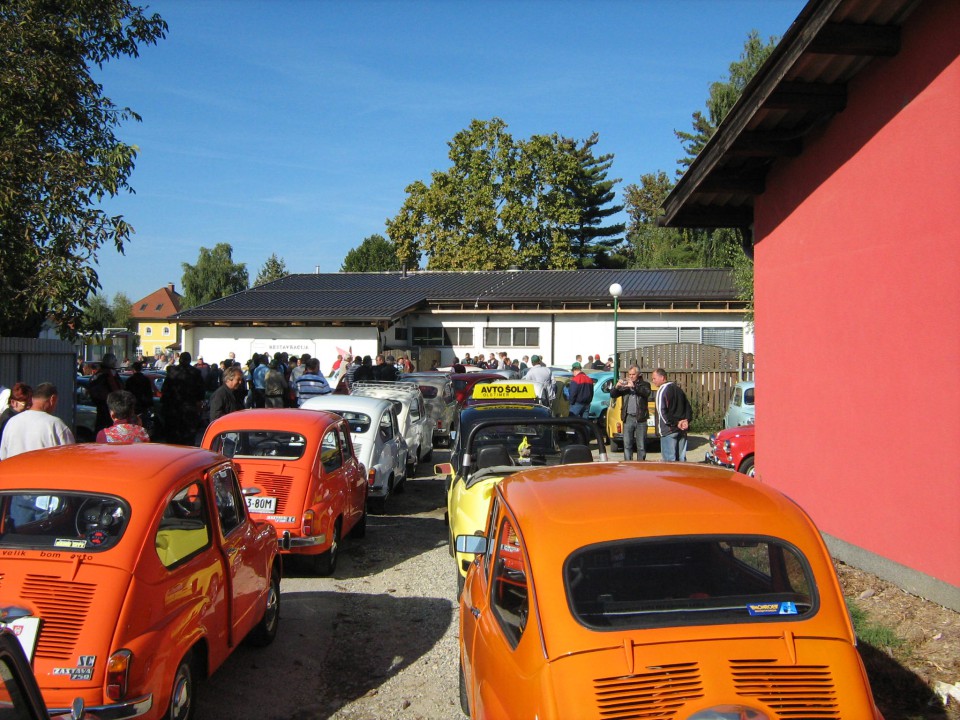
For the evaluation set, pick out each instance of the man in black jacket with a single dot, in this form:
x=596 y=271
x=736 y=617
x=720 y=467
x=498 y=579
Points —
x=673 y=417
x=635 y=392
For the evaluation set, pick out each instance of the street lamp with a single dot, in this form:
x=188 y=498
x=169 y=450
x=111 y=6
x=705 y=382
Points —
x=616 y=291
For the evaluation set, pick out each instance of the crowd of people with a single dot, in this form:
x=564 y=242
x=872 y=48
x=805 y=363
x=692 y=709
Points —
x=195 y=393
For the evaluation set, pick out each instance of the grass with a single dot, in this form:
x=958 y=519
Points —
x=879 y=636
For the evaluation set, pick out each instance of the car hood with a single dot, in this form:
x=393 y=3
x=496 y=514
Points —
x=653 y=678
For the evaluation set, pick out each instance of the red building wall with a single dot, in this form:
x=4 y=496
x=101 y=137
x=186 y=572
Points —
x=858 y=309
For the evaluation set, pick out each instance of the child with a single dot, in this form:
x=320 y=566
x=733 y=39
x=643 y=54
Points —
x=126 y=428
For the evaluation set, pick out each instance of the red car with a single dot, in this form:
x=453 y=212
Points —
x=733 y=448
x=463 y=383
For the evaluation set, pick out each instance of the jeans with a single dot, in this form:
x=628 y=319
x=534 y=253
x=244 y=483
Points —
x=673 y=447
x=578 y=409
x=634 y=434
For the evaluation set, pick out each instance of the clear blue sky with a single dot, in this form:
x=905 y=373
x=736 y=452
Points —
x=293 y=126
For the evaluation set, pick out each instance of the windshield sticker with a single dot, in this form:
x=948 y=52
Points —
x=69 y=543
x=783 y=608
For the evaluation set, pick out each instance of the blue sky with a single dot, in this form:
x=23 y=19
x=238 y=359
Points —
x=293 y=126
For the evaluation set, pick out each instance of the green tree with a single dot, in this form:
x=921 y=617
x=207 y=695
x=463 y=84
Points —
x=273 y=269
x=214 y=276
x=374 y=254
x=724 y=95
x=505 y=202
x=97 y=315
x=59 y=155
x=652 y=246
x=122 y=309
x=593 y=244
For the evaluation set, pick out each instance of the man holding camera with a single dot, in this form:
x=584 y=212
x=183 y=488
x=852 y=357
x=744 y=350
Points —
x=635 y=392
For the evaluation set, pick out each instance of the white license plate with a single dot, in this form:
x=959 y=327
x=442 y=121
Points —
x=26 y=629
x=258 y=504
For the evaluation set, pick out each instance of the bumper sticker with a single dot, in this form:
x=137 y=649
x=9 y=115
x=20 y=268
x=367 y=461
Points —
x=783 y=608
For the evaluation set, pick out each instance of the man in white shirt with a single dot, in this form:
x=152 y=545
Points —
x=542 y=378
x=36 y=427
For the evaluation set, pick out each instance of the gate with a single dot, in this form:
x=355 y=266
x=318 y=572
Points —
x=707 y=373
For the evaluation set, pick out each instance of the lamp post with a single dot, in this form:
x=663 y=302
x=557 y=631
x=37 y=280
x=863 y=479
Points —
x=616 y=291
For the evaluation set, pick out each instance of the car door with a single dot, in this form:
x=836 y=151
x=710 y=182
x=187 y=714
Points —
x=505 y=650
x=388 y=445
x=237 y=532
x=353 y=475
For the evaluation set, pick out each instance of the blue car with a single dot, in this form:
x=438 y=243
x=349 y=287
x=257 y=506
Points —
x=741 y=410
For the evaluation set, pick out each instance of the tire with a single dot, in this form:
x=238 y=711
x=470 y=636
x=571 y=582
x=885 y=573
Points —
x=617 y=445
x=360 y=529
x=183 y=692
x=464 y=701
x=747 y=468
x=461 y=581
x=325 y=563
x=265 y=631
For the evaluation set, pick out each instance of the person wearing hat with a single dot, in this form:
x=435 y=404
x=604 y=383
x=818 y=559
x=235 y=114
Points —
x=598 y=364
x=579 y=391
x=542 y=380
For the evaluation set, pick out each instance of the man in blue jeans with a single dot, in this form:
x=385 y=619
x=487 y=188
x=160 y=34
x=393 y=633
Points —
x=673 y=417
x=579 y=391
x=635 y=392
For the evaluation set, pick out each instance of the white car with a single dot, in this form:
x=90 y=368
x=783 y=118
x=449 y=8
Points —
x=741 y=410
x=377 y=440
x=412 y=415
x=441 y=404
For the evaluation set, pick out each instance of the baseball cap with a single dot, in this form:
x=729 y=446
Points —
x=535 y=359
x=576 y=366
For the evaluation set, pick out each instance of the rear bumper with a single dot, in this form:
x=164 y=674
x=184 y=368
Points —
x=130 y=709
x=297 y=544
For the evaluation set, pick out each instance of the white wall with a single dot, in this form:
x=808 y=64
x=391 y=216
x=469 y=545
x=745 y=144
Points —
x=214 y=344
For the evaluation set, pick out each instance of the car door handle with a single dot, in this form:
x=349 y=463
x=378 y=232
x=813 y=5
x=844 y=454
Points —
x=475 y=612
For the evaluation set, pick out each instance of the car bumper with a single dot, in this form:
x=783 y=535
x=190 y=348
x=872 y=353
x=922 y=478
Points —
x=712 y=459
x=130 y=709
x=289 y=543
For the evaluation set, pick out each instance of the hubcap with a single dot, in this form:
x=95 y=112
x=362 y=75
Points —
x=180 y=702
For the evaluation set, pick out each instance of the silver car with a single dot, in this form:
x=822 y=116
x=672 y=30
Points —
x=441 y=403
x=411 y=414
x=377 y=440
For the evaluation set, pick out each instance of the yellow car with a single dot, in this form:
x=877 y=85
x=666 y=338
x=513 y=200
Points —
x=615 y=425
x=498 y=440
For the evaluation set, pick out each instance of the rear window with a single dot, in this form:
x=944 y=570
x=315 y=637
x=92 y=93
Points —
x=62 y=521
x=429 y=391
x=358 y=422
x=711 y=580
x=260 y=443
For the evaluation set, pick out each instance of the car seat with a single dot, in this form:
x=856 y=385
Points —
x=493 y=456
x=575 y=454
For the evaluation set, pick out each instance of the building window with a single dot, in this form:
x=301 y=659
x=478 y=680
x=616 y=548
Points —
x=439 y=336
x=160 y=306
x=148 y=331
x=629 y=338
x=166 y=330
x=494 y=337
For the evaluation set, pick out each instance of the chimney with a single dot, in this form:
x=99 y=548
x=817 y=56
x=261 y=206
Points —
x=170 y=287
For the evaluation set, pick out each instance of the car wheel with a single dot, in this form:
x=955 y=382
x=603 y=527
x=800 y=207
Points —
x=747 y=468
x=325 y=563
x=266 y=630
x=183 y=692
x=360 y=529
x=617 y=445
x=464 y=701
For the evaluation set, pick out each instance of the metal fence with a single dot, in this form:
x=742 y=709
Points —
x=707 y=373
x=34 y=361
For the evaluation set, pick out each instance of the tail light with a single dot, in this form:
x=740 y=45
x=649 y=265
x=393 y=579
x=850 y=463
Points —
x=439 y=424
x=307 y=527
x=619 y=427
x=371 y=476
x=118 y=674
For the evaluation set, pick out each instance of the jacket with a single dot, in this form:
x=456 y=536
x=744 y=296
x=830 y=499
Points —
x=580 y=389
x=672 y=407
x=641 y=389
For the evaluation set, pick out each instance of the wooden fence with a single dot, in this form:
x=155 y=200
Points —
x=706 y=373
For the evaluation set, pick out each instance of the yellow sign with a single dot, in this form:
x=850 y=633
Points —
x=504 y=391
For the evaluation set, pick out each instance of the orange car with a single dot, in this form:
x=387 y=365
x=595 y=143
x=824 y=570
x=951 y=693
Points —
x=648 y=590
x=141 y=569
x=300 y=473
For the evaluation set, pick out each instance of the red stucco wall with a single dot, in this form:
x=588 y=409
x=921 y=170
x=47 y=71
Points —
x=858 y=309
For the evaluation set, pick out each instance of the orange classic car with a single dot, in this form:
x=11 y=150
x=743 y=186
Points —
x=649 y=590
x=299 y=473
x=141 y=571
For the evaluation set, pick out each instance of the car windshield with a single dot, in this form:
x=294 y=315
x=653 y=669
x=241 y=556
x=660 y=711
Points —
x=260 y=443
x=359 y=422
x=651 y=582
x=61 y=520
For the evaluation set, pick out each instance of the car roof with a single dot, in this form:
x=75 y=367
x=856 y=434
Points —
x=394 y=390
x=355 y=403
x=142 y=471
x=283 y=419
x=563 y=508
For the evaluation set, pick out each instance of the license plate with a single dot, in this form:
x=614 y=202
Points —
x=650 y=421
x=27 y=629
x=258 y=504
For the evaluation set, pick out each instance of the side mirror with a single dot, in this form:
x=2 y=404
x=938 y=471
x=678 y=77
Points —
x=472 y=544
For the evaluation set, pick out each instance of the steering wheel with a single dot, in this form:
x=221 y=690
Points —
x=98 y=518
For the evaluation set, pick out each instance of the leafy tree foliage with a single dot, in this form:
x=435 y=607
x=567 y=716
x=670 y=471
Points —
x=374 y=254
x=122 y=309
x=653 y=246
x=214 y=276
x=59 y=155
x=97 y=315
x=273 y=269
x=506 y=203
x=724 y=95
x=595 y=245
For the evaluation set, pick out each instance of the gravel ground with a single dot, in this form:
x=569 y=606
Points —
x=379 y=639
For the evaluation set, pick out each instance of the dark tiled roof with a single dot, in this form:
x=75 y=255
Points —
x=388 y=296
